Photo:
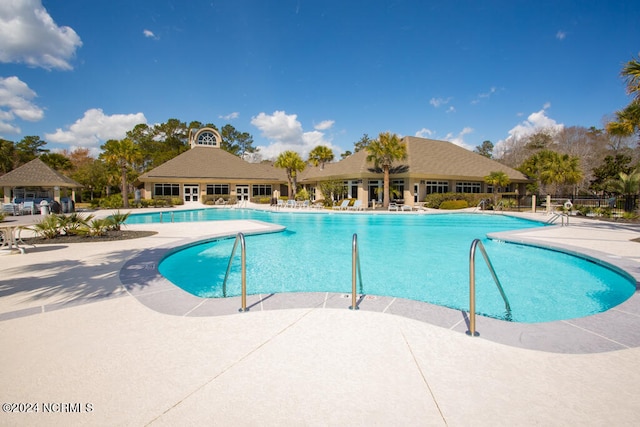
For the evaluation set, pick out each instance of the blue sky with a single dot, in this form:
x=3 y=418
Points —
x=299 y=73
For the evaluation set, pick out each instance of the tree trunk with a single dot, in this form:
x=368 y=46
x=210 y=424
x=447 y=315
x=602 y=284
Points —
x=294 y=181
x=289 y=180
x=386 y=188
x=125 y=192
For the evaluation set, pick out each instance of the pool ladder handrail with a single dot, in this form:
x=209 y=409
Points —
x=472 y=285
x=243 y=261
x=161 y=217
x=561 y=215
x=355 y=273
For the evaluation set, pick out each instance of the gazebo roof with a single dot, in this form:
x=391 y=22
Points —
x=36 y=174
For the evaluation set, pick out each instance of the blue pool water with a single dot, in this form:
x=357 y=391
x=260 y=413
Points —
x=419 y=257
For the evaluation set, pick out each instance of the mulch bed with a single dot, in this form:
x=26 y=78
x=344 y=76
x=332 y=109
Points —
x=110 y=236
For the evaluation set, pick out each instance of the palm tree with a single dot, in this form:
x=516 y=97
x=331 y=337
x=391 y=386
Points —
x=292 y=163
x=497 y=179
x=321 y=155
x=383 y=152
x=122 y=154
x=553 y=169
x=628 y=119
x=628 y=185
x=631 y=73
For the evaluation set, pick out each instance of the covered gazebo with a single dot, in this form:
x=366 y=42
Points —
x=35 y=181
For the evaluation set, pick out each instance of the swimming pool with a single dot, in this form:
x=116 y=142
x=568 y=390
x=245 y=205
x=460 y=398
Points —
x=419 y=257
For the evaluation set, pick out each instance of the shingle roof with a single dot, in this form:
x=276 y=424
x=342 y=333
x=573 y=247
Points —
x=36 y=174
x=212 y=163
x=426 y=159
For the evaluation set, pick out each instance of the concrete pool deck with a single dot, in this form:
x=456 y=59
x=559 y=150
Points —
x=74 y=331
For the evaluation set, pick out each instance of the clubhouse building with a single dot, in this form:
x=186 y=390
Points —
x=431 y=166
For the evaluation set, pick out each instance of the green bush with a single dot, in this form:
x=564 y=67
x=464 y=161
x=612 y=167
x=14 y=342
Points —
x=434 y=200
x=454 y=204
x=97 y=227
x=113 y=201
x=48 y=227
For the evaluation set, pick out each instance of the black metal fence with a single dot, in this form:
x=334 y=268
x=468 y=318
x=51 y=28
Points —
x=615 y=205
x=598 y=205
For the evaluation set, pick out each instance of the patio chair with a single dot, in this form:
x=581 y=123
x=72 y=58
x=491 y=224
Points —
x=291 y=203
x=393 y=206
x=28 y=206
x=11 y=209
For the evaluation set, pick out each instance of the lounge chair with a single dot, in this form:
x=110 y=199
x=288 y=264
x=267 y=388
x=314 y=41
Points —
x=357 y=206
x=291 y=203
x=280 y=203
x=393 y=206
x=405 y=208
x=343 y=205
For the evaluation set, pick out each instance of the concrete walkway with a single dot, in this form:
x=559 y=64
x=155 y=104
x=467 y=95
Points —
x=76 y=344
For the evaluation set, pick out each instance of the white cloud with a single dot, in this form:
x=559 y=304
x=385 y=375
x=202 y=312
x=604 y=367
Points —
x=459 y=138
x=324 y=125
x=231 y=116
x=485 y=95
x=150 y=34
x=534 y=123
x=560 y=35
x=29 y=35
x=285 y=132
x=437 y=102
x=16 y=101
x=424 y=133
x=451 y=109
x=95 y=128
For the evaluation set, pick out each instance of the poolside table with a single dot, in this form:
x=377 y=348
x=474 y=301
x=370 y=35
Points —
x=9 y=240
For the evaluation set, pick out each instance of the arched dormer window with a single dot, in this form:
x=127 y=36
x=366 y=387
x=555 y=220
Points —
x=206 y=137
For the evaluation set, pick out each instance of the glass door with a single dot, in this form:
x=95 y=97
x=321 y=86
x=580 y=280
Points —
x=191 y=193
x=243 y=192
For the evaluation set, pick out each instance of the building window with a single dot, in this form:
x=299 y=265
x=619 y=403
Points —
x=437 y=187
x=216 y=189
x=166 y=190
x=261 y=190
x=398 y=185
x=375 y=190
x=468 y=187
x=207 y=138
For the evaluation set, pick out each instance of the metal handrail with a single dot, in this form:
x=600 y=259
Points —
x=243 y=261
x=355 y=272
x=561 y=215
x=472 y=285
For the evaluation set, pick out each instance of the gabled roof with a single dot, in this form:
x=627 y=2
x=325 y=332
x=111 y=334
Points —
x=36 y=174
x=433 y=158
x=355 y=165
x=212 y=163
x=426 y=159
